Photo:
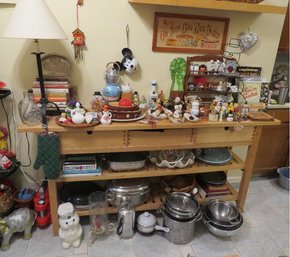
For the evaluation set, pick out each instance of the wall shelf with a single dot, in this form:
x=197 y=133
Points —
x=217 y=5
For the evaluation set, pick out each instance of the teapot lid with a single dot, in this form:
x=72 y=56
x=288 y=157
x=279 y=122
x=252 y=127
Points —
x=146 y=219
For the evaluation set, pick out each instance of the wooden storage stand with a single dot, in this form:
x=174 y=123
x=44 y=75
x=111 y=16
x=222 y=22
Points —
x=134 y=136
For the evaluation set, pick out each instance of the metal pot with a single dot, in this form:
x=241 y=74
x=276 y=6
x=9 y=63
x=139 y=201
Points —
x=133 y=191
x=181 y=205
x=146 y=223
x=180 y=232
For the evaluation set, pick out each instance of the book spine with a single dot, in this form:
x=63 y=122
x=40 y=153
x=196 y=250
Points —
x=51 y=90
x=59 y=104
x=52 y=99
x=55 y=94
x=80 y=167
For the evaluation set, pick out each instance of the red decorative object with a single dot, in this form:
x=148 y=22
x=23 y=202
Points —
x=125 y=102
x=41 y=205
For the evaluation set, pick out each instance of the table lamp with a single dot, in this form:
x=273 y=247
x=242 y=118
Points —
x=32 y=19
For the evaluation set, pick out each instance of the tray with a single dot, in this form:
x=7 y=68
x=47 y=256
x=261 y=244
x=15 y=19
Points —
x=72 y=125
x=260 y=116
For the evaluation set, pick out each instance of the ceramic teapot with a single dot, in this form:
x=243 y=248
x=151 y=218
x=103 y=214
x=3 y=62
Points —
x=112 y=72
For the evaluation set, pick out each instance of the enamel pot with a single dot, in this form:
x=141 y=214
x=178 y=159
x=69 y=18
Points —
x=146 y=223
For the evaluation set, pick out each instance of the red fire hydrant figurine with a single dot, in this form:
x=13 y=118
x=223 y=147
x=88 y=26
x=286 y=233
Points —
x=41 y=206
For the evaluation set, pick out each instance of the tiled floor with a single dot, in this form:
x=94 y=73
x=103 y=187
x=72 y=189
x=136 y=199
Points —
x=265 y=233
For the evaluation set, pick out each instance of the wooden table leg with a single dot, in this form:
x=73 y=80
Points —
x=52 y=188
x=249 y=165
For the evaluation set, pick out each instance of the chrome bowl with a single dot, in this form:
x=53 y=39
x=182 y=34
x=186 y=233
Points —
x=222 y=210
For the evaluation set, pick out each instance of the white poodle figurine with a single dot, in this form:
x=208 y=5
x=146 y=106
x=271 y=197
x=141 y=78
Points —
x=70 y=231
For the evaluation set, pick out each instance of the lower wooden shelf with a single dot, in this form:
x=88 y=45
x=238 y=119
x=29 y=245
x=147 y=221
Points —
x=158 y=197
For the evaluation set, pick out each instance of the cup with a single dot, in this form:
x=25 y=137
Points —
x=98 y=210
x=283 y=94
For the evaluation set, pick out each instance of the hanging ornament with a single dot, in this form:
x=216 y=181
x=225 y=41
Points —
x=129 y=63
x=78 y=37
x=247 y=40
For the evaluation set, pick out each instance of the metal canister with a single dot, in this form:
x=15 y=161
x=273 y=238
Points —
x=126 y=220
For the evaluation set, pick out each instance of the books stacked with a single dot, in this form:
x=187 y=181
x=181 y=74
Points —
x=81 y=165
x=210 y=191
x=58 y=92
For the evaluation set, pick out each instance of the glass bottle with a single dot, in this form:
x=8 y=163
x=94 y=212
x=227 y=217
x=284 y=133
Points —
x=29 y=112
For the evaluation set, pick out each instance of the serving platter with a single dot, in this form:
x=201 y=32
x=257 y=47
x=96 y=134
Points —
x=73 y=125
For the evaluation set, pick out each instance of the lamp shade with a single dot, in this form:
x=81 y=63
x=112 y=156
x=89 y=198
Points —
x=32 y=19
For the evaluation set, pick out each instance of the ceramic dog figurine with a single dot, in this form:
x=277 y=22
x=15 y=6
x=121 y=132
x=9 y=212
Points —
x=21 y=220
x=70 y=231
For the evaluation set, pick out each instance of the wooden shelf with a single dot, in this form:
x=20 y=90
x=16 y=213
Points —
x=217 y=5
x=153 y=171
x=158 y=197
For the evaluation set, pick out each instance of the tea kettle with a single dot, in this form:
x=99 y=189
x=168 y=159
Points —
x=126 y=220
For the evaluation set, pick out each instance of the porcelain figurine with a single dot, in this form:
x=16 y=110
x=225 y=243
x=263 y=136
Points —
x=106 y=118
x=70 y=230
x=78 y=114
x=21 y=220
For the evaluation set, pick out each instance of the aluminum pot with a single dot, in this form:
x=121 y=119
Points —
x=181 y=205
x=133 y=191
x=181 y=231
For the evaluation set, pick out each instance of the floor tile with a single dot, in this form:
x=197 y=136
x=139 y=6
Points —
x=265 y=233
x=154 y=246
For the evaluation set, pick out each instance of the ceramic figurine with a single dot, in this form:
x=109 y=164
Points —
x=195 y=107
x=21 y=220
x=78 y=114
x=70 y=230
x=63 y=118
x=106 y=118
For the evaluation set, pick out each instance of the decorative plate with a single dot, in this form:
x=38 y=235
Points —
x=55 y=67
x=214 y=156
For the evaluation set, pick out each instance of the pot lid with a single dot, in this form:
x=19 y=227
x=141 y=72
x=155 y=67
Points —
x=130 y=186
x=182 y=202
x=146 y=219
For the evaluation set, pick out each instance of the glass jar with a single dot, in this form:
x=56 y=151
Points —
x=29 y=112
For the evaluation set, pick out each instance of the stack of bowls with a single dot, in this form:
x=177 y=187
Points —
x=222 y=218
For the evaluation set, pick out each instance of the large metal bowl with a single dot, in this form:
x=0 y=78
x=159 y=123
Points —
x=220 y=232
x=222 y=210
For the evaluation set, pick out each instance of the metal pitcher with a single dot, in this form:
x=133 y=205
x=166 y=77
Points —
x=126 y=220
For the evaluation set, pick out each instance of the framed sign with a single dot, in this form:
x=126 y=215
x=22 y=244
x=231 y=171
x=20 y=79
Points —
x=189 y=34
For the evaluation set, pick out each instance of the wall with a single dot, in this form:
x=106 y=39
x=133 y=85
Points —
x=104 y=24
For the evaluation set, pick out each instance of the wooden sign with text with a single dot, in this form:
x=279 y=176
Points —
x=189 y=34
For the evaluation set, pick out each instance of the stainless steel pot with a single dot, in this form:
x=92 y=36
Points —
x=181 y=205
x=180 y=232
x=133 y=191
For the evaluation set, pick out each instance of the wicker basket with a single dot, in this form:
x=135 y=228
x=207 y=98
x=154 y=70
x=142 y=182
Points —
x=6 y=200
